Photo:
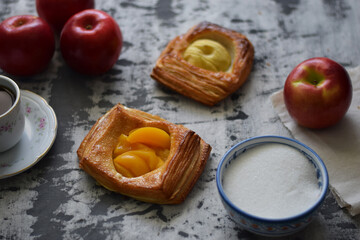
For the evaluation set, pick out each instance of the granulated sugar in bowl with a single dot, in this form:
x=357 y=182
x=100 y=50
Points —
x=272 y=185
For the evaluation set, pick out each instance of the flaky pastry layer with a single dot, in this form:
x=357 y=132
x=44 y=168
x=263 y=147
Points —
x=169 y=184
x=202 y=85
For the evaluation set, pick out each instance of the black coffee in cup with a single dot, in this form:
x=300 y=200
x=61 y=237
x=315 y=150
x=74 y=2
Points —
x=7 y=99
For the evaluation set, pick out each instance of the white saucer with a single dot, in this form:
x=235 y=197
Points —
x=38 y=137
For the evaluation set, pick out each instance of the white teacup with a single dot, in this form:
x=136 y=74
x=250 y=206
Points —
x=12 y=119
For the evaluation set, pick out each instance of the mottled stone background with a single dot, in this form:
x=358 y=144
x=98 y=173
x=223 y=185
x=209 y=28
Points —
x=57 y=200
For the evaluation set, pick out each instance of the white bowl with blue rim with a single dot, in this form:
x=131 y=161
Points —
x=264 y=225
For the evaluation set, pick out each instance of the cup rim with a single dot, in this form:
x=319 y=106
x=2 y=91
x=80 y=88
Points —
x=17 y=92
x=292 y=218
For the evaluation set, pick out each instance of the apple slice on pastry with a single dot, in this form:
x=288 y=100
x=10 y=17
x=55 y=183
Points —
x=143 y=156
x=207 y=64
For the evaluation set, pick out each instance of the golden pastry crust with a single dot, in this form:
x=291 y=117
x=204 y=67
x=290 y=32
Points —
x=200 y=84
x=168 y=184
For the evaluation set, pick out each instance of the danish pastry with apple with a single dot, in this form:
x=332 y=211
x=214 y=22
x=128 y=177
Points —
x=207 y=64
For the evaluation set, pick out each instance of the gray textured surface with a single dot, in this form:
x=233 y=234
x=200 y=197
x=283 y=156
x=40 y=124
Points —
x=57 y=200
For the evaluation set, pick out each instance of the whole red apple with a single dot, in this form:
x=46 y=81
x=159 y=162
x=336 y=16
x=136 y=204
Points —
x=27 y=45
x=57 y=12
x=91 y=42
x=318 y=93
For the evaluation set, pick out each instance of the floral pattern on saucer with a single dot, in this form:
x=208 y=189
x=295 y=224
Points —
x=38 y=137
x=37 y=117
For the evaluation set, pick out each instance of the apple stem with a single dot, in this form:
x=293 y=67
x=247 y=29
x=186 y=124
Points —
x=314 y=77
x=19 y=23
x=88 y=27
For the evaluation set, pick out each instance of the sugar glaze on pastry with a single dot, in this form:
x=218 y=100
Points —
x=187 y=69
x=169 y=182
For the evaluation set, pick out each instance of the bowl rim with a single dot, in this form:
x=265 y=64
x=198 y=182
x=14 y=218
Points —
x=275 y=139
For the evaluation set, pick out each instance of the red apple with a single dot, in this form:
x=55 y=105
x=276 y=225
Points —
x=318 y=93
x=91 y=42
x=27 y=45
x=57 y=12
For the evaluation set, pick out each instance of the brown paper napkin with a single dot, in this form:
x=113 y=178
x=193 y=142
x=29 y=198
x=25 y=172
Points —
x=338 y=146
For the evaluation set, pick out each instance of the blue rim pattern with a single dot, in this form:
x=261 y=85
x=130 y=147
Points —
x=301 y=219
